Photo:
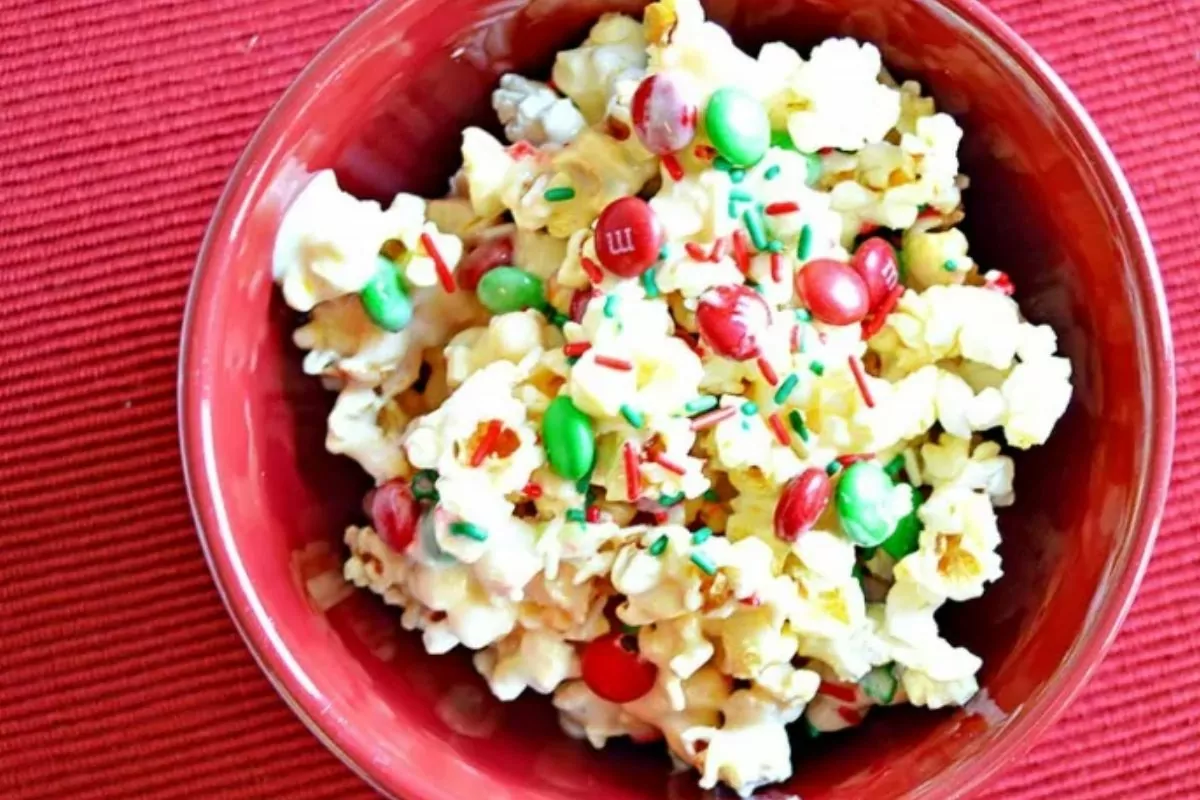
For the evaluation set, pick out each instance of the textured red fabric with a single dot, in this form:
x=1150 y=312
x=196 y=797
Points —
x=120 y=674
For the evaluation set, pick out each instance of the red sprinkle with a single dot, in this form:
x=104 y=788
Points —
x=867 y=227
x=673 y=167
x=633 y=475
x=754 y=601
x=854 y=458
x=768 y=372
x=576 y=349
x=593 y=514
x=1001 y=283
x=695 y=252
x=795 y=339
x=713 y=417
x=850 y=715
x=668 y=464
x=777 y=267
x=786 y=207
x=660 y=516
x=741 y=252
x=837 y=691
x=532 y=490
x=443 y=272
x=487 y=443
x=927 y=212
x=860 y=378
x=522 y=149
x=614 y=363
x=781 y=432
x=874 y=323
x=705 y=151
x=720 y=250
x=592 y=269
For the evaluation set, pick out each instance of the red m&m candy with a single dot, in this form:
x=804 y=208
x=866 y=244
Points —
x=628 y=237
x=731 y=319
x=875 y=262
x=486 y=256
x=800 y=505
x=394 y=512
x=614 y=670
x=664 y=116
x=833 y=291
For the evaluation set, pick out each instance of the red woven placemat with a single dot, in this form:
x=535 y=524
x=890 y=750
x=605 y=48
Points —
x=120 y=674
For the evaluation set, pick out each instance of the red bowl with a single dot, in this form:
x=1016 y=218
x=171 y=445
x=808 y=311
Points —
x=383 y=106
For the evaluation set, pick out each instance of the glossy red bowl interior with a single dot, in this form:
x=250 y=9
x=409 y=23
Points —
x=383 y=106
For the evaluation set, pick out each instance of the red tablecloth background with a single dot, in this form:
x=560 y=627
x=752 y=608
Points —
x=120 y=674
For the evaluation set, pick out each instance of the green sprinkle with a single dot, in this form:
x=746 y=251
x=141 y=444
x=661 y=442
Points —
x=754 y=226
x=732 y=209
x=660 y=545
x=782 y=139
x=798 y=424
x=701 y=536
x=721 y=164
x=749 y=408
x=584 y=484
x=895 y=465
x=572 y=361
x=705 y=402
x=772 y=172
x=811 y=729
x=664 y=252
x=833 y=468
x=949 y=265
x=775 y=246
x=804 y=248
x=469 y=530
x=758 y=287
x=705 y=563
x=576 y=515
x=737 y=175
x=558 y=194
x=424 y=485
x=711 y=495
x=611 y=303
x=857 y=571
x=558 y=319
x=803 y=315
x=670 y=499
x=813 y=168
x=632 y=416
x=741 y=195
x=817 y=368
x=629 y=630
x=650 y=284
x=786 y=388
x=746 y=425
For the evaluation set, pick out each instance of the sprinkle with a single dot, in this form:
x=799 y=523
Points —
x=664 y=252
x=632 y=416
x=786 y=388
x=772 y=172
x=741 y=255
x=794 y=339
x=867 y=228
x=798 y=425
x=532 y=490
x=833 y=468
x=695 y=252
x=817 y=368
x=659 y=546
x=737 y=175
x=486 y=444
x=837 y=691
x=576 y=515
x=557 y=318
x=785 y=207
x=576 y=349
x=776 y=267
x=895 y=465
x=998 y=281
x=749 y=408
x=650 y=284
x=803 y=315
x=424 y=485
x=583 y=485
x=873 y=325
x=768 y=372
x=630 y=630
x=721 y=164
x=702 y=535
x=672 y=166
x=705 y=151
x=704 y=402
x=860 y=378
x=746 y=425
x=711 y=495
x=633 y=474
x=705 y=563
x=720 y=248
x=754 y=225
x=469 y=530
x=949 y=265
x=611 y=303
x=559 y=194
x=439 y=264
x=592 y=269
x=670 y=499
x=854 y=458
x=593 y=514
x=614 y=363
x=732 y=208
x=811 y=729
x=804 y=248
x=781 y=433
x=850 y=715
x=660 y=516
x=712 y=418
x=741 y=195
x=522 y=149
x=775 y=246
x=668 y=464
x=925 y=211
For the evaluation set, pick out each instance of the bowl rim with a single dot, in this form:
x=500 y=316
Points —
x=219 y=545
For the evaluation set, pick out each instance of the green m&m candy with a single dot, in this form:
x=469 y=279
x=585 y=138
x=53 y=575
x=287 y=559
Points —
x=906 y=537
x=506 y=289
x=864 y=503
x=384 y=298
x=738 y=126
x=568 y=438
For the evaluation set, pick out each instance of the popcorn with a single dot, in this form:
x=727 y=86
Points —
x=614 y=49
x=533 y=112
x=844 y=104
x=536 y=660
